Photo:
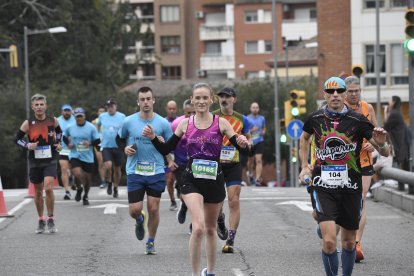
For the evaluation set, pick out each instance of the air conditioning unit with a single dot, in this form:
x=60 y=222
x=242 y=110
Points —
x=199 y=14
x=201 y=73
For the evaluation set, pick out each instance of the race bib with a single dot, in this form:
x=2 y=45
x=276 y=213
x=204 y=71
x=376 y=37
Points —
x=64 y=152
x=205 y=169
x=227 y=153
x=81 y=148
x=334 y=175
x=145 y=168
x=42 y=152
x=255 y=135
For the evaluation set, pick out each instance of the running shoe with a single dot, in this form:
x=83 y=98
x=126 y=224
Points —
x=228 y=247
x=103 y=185
x=51 y=227
x=78 y=194
x=73 y=187
x=85 y=200
x=222 y=231
x=359 y=256
x=41 y=227
x=204 y=272
x=139 y=227
x=150 y=249
x=251 y=180
x=115 y=192
x=67 y=196
x=318 y=231
x=109 y=188
x=173 y=206
x=182 y=213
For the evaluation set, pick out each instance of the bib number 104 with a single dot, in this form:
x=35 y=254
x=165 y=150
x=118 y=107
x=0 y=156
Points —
x=334 y=174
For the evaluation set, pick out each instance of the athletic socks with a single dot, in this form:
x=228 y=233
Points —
x=232 y=235
x=151 y=240
x=330 y=261
x=140 y=218
x=348 y=260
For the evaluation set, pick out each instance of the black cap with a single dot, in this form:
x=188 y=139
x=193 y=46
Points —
x=228 y=91
x=110 y=102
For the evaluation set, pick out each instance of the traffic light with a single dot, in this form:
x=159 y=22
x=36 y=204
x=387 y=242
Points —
x=298 y=102
x=13 y=56
x=409 y=31
x=357 y=70
x=294 y=152
x=295 y=106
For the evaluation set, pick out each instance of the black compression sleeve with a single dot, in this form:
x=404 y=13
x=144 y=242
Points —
x=167 y=147
x=19 y=139
x=66 y=140
x=121 y=143
x=245 y=150
x=96 y=143
x=59 y=134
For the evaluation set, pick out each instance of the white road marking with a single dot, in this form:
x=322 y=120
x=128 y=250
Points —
x=110 y=208
x=17 y=207
x=303 y=205
x=14 y=193
x=237 y=272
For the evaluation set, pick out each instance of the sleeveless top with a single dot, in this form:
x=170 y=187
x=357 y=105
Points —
x=42 y=131
x=204 y=143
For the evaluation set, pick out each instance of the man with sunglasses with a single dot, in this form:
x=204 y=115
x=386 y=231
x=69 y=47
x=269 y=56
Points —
x=353 y=100
x=336 y=175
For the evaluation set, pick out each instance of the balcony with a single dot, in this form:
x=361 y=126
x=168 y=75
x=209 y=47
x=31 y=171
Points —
x=217 y=62
x=216 y=2
x=296 y=30
x=216 y=32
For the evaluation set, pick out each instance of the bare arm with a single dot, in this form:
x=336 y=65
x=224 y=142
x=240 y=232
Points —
x=378 y=140
x=372 y=115
x=303 y=155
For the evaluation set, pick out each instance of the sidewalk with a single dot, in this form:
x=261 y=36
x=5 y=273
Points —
x=392 y=196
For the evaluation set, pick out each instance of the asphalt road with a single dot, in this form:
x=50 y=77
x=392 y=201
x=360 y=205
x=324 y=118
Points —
x=276 y=237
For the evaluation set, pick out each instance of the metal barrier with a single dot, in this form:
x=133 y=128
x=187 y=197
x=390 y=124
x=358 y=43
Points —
x=403 y=177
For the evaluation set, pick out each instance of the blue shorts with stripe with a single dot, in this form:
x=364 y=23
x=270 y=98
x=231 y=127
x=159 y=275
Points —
x=147 y=182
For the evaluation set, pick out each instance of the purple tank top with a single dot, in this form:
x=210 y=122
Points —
x=204 y=143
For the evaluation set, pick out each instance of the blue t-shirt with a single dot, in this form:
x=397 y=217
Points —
x=259 y=122
x=76 y=135
x=147 y=160
x=110 y=125
x=63 y=123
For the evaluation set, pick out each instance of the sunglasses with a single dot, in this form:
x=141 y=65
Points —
x=331 y=91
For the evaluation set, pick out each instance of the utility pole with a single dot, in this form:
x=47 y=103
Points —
x=411 y=97
x=377 y=62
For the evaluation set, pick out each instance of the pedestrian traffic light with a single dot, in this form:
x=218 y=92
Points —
x=357 y=70
x=294 y=155
x=13 y=56
x=409 y=31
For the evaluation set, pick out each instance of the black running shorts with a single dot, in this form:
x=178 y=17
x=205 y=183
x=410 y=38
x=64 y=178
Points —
x=257 y=149
x=342 y=207
x=232 y=173
x=37 y=174
x=86 y=167
x=213 y=191
x=367 y=171
x=113 y=154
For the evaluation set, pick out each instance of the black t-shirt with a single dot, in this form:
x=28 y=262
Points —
x=338 y=141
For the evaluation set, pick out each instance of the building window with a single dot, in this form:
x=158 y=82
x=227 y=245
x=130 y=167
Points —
x=268 y=46
x=213 y=48
x=312 y=14
x=267 y=17
x=170 y=44
x=252 y=47
x=252 y=75
x=398 y=3
x=399 y=65
x=171 y=72
x=370 y=4
x=250 y=17
x=170 y=13
x=370 y=78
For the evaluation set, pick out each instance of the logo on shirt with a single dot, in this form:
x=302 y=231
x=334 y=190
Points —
x=335 y=149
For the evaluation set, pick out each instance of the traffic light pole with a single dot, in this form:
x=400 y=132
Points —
x=411 y=98
x=276 y=95
x=291 y=173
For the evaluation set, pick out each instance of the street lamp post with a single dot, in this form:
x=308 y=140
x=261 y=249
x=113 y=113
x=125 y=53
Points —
x=276 y=95
x=28 y=32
